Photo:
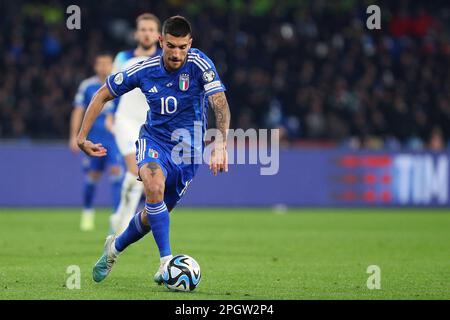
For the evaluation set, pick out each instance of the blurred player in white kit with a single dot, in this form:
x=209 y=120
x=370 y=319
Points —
x=130 y=115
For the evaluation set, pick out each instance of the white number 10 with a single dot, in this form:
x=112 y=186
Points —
x=166 y=106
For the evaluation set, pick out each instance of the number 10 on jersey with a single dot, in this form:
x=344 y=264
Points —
x=168 y=105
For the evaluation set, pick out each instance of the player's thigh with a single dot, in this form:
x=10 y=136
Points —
x=152 y=163
x=94 y=166
x=114 y=159
x=153 y=178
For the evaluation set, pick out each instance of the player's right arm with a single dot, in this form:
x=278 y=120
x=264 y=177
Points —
x=75 y=122
x=116 y=85
x=101 y=97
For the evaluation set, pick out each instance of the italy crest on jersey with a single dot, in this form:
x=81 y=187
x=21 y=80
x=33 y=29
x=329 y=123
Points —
x=184 y=82
x=153 y=154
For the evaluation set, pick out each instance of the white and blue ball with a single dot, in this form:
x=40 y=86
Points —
x=182 y=273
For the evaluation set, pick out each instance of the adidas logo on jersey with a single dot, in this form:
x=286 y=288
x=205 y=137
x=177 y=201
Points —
x=153 y=90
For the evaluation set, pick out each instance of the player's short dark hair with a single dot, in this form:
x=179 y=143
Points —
x=177 y=26
x=148 y=16
x=104 y=53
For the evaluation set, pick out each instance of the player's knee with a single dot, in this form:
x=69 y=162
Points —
x=94 y=176
x=116 y=171
x=154 y=191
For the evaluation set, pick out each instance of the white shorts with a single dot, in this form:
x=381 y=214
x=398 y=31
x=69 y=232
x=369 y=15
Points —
x=126 y=133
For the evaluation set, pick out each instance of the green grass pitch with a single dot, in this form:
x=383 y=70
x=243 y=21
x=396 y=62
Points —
x=243 y=254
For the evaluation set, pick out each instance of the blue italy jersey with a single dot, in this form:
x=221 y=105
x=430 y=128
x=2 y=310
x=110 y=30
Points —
x=85 y=92
x=177 y=99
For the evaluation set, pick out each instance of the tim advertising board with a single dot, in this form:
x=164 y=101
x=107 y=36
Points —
x=307 y=177
x=419 y=179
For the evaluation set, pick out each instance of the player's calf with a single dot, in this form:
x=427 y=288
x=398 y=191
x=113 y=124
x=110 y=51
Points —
x=89 y=190
x=137 y=228
x=156 y=210
x=116 y=177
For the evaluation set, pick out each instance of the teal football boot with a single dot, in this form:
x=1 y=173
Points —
x=104 y=265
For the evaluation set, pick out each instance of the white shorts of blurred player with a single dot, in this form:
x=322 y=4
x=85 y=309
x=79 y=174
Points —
x=126 y=132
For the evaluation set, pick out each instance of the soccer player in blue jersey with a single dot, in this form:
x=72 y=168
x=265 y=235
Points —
x=94 y=166
x=179 y=86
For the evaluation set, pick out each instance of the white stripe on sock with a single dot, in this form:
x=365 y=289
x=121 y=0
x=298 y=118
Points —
x=156 y=210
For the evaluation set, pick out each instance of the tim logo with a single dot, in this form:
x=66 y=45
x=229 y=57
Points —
x=421 y=179
x=401 y=179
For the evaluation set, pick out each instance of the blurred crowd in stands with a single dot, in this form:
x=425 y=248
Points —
x=309 y=68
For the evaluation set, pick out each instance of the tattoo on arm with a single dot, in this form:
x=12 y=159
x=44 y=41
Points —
x=219 y=104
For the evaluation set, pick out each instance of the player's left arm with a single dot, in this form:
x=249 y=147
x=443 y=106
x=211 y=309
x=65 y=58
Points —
x=219 y=158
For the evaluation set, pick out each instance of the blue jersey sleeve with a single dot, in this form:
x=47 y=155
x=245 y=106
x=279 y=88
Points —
x=122 y=82
x=207 y=73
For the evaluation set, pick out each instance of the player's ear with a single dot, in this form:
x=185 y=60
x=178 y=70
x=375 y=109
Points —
x=160 y=38
x=190 y=43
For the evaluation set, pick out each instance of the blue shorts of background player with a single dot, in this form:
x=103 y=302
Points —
x=178 y=176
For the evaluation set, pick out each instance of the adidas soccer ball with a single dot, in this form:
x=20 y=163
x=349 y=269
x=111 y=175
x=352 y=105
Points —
x=182 y=273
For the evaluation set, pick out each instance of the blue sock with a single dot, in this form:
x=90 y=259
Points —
x=134 y=232
x=116 y=189
x=158 y=216
x=89 y=188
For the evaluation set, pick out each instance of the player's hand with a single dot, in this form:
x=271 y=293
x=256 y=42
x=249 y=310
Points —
x=219 y=160
x=73 y=145
x=92 y=149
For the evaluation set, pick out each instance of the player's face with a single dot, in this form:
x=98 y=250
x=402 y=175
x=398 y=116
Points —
x=175 y=50
x=103 y=66
x=147 y=33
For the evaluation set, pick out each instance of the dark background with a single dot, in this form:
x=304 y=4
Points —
x=310 y=68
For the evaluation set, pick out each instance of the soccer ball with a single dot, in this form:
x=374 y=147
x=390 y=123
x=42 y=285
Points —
x=181 y=273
